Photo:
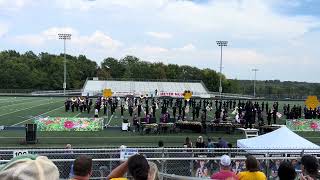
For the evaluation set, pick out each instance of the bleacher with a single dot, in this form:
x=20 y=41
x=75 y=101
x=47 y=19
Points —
x=137 y=88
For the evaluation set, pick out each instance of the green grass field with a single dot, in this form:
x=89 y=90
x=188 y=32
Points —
x=17 y=111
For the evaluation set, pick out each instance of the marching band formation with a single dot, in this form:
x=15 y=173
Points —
x=246 y=113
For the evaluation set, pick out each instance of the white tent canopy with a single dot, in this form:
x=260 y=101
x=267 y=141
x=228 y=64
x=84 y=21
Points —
x=280 y=140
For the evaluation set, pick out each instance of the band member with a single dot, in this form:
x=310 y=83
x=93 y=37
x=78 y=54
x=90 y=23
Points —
x=139 y=109
x=121 y=109
x=66 y=105
x=136 y=123
x=89 y=106
x=174 y=111
x=96 y=113
x=269 y=117
x=130 y=110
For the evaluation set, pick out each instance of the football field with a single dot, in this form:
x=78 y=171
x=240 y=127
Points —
x=17 y=111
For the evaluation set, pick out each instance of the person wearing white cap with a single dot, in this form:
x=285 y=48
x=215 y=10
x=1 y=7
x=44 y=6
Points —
x=29 y=167
x=225 y=172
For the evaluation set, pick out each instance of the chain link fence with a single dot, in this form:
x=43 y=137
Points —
x=173 y=163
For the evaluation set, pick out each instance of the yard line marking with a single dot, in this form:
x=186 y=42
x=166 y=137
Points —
x=27 y=108
x=23 y=103
x=16 y=100
x=110 y=120
x=38 y=115
x=77 y=114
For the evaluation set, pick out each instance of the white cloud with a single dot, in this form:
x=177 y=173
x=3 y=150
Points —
x=187 y=47
x=4 y=28
x=159 y=35
x=245 y=19
x=32 y=40
x=13 y=5
x=95 y=40
x=154 y=50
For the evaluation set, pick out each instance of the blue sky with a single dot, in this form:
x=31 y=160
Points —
x=279 y=37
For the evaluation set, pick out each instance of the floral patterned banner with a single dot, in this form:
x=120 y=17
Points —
x=69 y=124
x=304 y=124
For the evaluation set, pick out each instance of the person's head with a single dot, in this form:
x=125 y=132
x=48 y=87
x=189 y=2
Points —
x=29 y=167
x=286 y=171
x=153 y=172
x=138 y=167
x=82 y=166
x=160 y=143
x=252 y=164
x=309 y=165
x=68 y=146
x=225 y=162
x=200 y=139
x=187 y=140
x=209 y=140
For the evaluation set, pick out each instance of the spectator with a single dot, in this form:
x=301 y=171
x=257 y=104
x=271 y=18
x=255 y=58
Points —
x=153 y=172
x=29 y=167
x=222 y=143
x=296 y=165
x=252 y=170
x=138 y=167
x=210 y=143
x=200 y=143
x=286 y=171
x=82 y=168
x=238 y=167
x=274 y=168
x=309 y=167
x=225 y=172
x=188 y=143
x=160 y=144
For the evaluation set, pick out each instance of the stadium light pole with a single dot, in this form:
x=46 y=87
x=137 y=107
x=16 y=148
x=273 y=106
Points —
x=64 y=37
x=254 y=82
x=221 y=44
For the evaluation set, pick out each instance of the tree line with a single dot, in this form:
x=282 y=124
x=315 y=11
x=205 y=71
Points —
x=45 y=72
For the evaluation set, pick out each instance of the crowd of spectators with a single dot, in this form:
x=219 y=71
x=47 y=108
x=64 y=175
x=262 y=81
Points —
x=32 y=167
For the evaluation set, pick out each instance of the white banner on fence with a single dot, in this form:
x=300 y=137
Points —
x=125 y=153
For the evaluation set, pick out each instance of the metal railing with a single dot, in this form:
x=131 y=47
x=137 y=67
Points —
x=56 y=92
x=230 y=95
x=173 y=163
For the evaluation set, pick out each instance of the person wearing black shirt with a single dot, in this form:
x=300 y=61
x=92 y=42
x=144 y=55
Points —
x=267 y=107
x=139 y=109
x=130 y=110
x=193 y=113
x=197 y=111
x=183 y=112
x=200 y=143
x=121 y=109
x=274 y=116
x=136 y=123
x=89 y=106
x=154 y=110
x=174 y=111
x=147 y=109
